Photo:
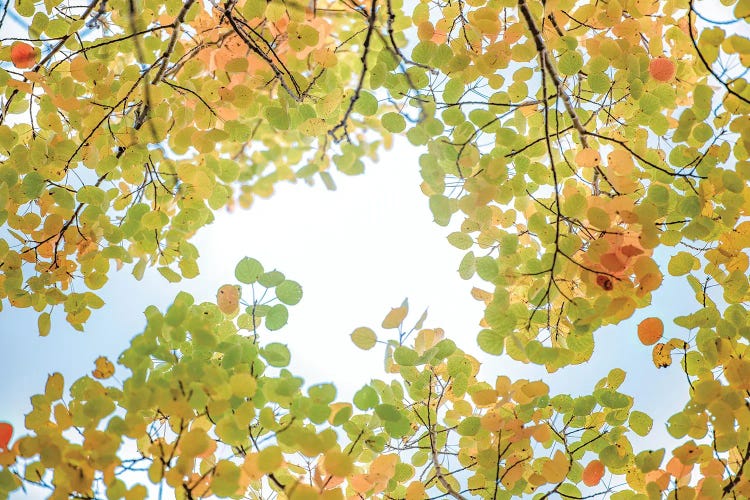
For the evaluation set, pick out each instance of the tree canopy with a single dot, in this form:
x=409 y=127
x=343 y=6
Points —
x=576 y=151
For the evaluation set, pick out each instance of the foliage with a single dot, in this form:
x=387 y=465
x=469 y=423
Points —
x=587 y=146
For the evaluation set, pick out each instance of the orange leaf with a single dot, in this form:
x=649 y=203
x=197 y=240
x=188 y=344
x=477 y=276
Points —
x=676 y=468
x=22 y=55
x=228 y=299
x=650 y=331
x=6 y=431
x=662 y=69
x=588 y=157
x=593 y=473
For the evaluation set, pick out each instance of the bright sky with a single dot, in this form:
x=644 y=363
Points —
x=357 y=252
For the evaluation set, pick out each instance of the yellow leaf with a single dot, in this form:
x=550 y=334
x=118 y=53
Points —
x=555 y=470
x=415 y=491
x=104 y=368
x=588 y=157
x=394 y=318
x=54 y=388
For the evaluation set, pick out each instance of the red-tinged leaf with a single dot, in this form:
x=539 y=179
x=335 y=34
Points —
x=593 y=473
x=6 y=432
x=662 y=69
x=23 y=55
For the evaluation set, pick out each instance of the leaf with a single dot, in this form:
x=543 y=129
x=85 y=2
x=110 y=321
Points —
x=23 y=55
x=593 y=473
x=588 y=157
x=640 y=423
x=650 y=330
x=661 y=355
x=44 y=324
x=570 y=62
x=491 y=342
x=395 y=317
x=276 y=354
x=277 y=317
x=6 y=432
x=661 y=69
x=228 y=299
x=289 y=292
x=394 y=122
x=54 y=387
x=364 y=338
x=248 y=270
x=104 y=368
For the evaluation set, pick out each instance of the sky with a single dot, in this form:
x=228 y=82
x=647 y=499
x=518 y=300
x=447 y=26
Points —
x=357 y=251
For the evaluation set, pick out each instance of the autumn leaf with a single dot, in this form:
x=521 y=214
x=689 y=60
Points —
x=228 y=299
x=104 y=368
x=650 y=330
x=593 y=473
x=661 y=69
x=23 y=55
x=396 y=316
x=6 y=432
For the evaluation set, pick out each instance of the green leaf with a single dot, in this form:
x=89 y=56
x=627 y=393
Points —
x=387 y=412
x=366 y=104
x=640 y=422
x=570 y=63
x=365 y=398
x=364 y=338
x=276 y=317
x=491 y=342
x=270 y=279
x=248 y=270
x=289 y=292
x=394 y=122
x=276 y=354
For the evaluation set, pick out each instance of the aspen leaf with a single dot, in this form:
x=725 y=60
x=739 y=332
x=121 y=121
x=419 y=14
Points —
x=228 y=299
x=662 y=355
x=555 y=470
x=289 y=292
x=276 y=354
x=416 y=491
x=54 y=387
x=588 y=157
x=364 y=338
x=270 y=459
x=676 y=468
x=6 y=432
x=661 y=69
x=276 y=317
x=225 y=479
x=44 y=324
x=395 y=317
x=248 y=270
x=338 y=463
x=104 y=368
x=650 y=330
x=593 y=473
x=570 y=62
x=23 y=55
x=640 y=423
